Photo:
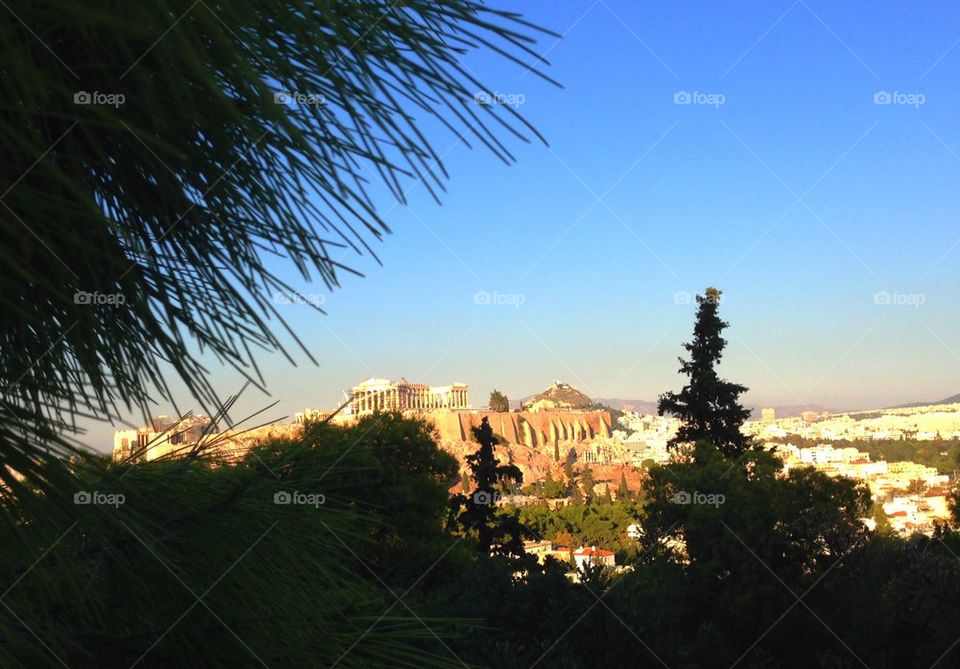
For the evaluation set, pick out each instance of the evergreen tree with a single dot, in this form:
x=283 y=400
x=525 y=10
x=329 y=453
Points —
x=576 y=496
x=623 y=491
x=553 y=489
x=501 y=533
x=708 y=406
x=882 y=523
x=498 y=402
x=588 y=484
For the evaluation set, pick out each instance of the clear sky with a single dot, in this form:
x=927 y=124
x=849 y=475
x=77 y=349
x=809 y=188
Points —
x=783 y=182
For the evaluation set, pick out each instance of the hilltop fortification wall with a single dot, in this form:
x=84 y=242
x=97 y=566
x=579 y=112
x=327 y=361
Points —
x=533 y=429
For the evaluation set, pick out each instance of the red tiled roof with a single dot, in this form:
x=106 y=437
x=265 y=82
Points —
x=594 y=551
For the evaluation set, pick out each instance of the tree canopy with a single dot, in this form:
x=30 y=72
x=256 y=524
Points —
x=708 y=406
x=498 y=401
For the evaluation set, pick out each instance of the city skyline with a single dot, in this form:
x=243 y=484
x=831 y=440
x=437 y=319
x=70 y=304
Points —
x=348 y=402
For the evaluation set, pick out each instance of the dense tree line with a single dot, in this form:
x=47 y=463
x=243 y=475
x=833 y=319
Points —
x=602 y=524
x=753 y=568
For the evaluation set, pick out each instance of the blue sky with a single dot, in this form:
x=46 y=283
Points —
x=799 y=196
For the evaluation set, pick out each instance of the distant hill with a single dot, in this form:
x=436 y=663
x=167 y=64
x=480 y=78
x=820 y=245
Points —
x=953 y=399
x=560 y=396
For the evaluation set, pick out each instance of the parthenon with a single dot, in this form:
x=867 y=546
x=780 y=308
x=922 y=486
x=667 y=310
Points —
x=387 y=395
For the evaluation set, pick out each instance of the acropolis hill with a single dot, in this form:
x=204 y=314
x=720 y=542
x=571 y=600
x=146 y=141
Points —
x=529 y=438
x=536 y=440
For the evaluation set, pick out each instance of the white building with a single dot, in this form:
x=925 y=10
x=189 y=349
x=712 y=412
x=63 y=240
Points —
x=585 y=557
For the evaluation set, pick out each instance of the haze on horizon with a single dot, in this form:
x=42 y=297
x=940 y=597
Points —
x=803 y=157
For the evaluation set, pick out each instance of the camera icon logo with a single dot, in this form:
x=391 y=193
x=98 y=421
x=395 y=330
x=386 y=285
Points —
x=682 y=297
x=281 y=98
x=881 y=297
x=482 y=97
x=681 y=497
x=485 y=497
x=482 y=297
x=882 y=98
x=682 y=98
x=81 y=98
x=282 y=497
x=82 y=497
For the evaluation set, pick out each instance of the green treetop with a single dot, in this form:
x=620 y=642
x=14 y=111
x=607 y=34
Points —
x=498 y=402
x=708 y=406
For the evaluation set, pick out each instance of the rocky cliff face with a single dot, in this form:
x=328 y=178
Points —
x=529 y=440
x=531 y=429
x=533 y=441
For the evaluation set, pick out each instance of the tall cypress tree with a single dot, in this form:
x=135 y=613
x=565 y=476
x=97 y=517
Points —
x=576 y=496
x=499 y=532
x=588 y=484
x=708 y=406
x=623 y=491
